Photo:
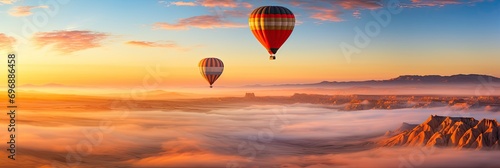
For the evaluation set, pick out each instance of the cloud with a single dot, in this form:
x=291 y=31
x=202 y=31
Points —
x=182 y=3
x=211 y=3
x=296 y=2
x=298 y=22
x=358 y=4
x=24 y=10
x=326 y=14
x=7 y=2
x=437 y=3
x=218 y=18
x=345 y=4
x=330 y=10
x=356 y=14
x=423 y=3
x=218 y=3
x=69 y=41
x=181 y=152
x=6 y=42
x=395 y=157
x=164 y=44
x=246 y=5
x=152 y=44
x=236 y=13
x=201 y=22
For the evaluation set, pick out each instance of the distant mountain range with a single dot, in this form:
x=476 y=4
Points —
x=406 y=79
x=401 y=80
x=461 y=78
x=441 y=131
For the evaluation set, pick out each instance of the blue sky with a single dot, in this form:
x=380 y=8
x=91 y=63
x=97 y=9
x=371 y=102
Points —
x=427 y=37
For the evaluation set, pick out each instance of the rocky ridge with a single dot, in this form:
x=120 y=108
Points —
x=442 y=131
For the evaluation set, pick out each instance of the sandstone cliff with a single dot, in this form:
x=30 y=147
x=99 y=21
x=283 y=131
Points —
x=456 y=132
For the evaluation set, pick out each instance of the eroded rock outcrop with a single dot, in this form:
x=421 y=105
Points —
x=440 y=131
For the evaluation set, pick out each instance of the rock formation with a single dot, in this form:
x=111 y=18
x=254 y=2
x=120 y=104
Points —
x=440 y=131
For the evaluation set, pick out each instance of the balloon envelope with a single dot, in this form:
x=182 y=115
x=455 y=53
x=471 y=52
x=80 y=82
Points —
x=272 y=25
x=211 y=69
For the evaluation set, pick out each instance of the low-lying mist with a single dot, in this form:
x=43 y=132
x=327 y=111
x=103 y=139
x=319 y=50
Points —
x=298 y=135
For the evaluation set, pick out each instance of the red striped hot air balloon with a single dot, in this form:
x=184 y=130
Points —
x=272 y=25
x=211 y=69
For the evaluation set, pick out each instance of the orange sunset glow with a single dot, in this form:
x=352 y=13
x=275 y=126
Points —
x=250 y=84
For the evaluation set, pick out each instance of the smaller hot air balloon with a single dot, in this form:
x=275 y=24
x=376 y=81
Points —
x=211 y=69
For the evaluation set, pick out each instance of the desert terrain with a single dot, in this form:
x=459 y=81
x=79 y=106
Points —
x=299 y=130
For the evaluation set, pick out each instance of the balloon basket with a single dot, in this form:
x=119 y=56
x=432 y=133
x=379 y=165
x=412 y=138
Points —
x=272 y=57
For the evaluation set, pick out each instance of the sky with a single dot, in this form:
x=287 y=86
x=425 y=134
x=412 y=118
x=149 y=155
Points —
x=125 y=43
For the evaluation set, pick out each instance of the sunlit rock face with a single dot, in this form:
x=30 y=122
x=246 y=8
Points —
x=458 y=132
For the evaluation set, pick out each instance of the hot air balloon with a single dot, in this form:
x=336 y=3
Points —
x=211 y=69
x=272 y=25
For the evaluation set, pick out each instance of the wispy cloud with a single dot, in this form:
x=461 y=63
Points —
x=219 y=3
x=182 y=3
x=6 y=42
x=438 y=3
x=221 y=10
x=152 y=44
x=160 y=44
x=69 y=41
x=296 y=2
x=201 y=22
x=210 y=3
x=358 y=4
x=236 y=13
x=344 y=4
x=24 y=10
x=326 y=14
x=330 y=10
x=356 y=14
x=7 y=2
x=430 y=3
x=246 y=5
